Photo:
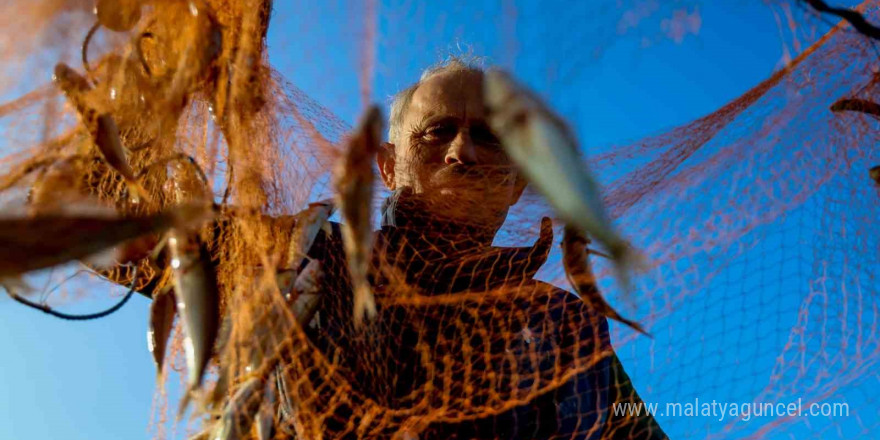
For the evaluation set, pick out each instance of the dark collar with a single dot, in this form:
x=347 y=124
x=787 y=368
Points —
x=448 y=258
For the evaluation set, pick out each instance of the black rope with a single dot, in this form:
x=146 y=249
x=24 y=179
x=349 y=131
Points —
x=72 y=317
x=229 y=183
x=854 y=18
x=85 y=49
x=599 y=253
x=140 y=52
x=857 y=105
x=180 y=158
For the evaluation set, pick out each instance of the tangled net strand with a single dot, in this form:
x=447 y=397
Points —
x=762 y=204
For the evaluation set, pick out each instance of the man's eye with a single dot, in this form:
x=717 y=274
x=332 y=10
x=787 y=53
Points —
x=441 y=132
x=483 y=136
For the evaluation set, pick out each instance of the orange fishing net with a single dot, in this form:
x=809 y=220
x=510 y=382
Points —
x=762 y=204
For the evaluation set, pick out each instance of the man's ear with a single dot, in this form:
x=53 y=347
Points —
x=518 y=187
x=385 y=160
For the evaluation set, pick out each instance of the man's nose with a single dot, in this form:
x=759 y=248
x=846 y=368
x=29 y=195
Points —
x=461 y=150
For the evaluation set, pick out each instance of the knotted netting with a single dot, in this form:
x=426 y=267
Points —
x=755 y=222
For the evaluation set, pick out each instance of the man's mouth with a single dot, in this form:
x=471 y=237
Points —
x=477 y=179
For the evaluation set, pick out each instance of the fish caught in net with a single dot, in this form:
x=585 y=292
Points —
x=303 y=319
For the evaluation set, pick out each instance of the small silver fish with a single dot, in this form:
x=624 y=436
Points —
x=580 y=275
x=198 y=302
x=545 y=150
x=285 y=279
x=307 y=287
x=293 y=284
x=218 y=394
x=238 y=416
x=308 y=281
x=353 y=179
x=162 y=312
x=286 y=408
x=308 y=224
x=100 y=125
x=40 y=241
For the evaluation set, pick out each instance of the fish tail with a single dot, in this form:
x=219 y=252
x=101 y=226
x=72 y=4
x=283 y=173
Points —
x=364 y=303
x=611 y=313
x=184 y=404
x=635 y=326
x=186 y=400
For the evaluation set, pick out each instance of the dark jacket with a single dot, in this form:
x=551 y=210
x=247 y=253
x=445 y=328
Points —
x=465 y=330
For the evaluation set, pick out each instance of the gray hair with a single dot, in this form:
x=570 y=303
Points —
x=400 y=102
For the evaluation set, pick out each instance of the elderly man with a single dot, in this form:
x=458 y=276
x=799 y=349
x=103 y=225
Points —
x=466 y=343
x=508 y=356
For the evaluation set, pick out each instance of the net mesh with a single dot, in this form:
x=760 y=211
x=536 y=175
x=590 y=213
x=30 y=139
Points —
x=756 y=222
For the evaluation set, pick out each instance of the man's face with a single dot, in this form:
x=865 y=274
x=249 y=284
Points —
x=447 y=153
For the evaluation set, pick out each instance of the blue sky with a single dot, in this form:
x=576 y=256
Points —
x=95 y=380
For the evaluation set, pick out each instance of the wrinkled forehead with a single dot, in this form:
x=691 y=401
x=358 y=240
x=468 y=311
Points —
x=457 y=94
